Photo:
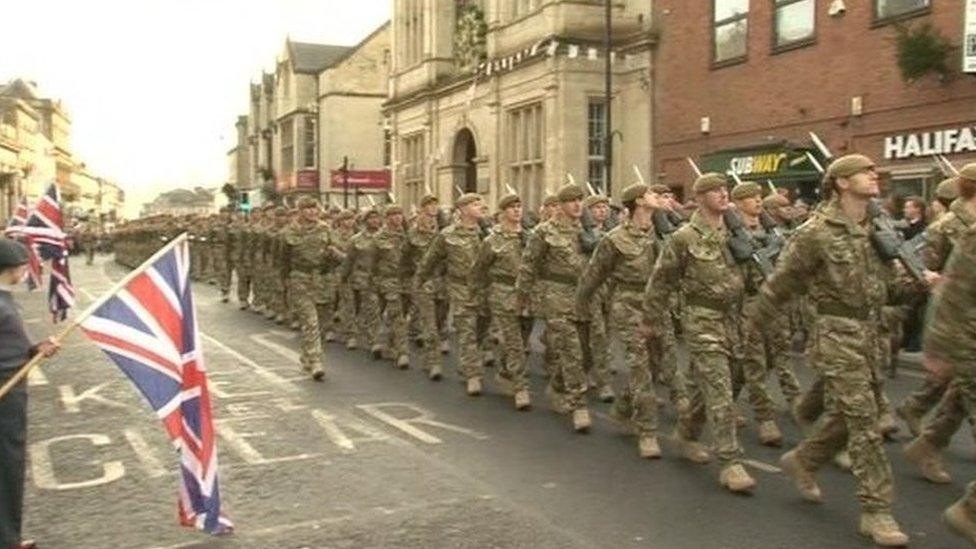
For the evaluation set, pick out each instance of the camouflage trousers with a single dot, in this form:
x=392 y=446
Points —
x=347 y=312
x=469 y=355
x=244 y=281
x=749 y=367
x=923 y=399
x=329 y=306
x=957 y=404
x=565 y=357
x=223 y=267
x=426 y=312
x=262 y=285
x=391 y=304
x=280 y=296
x=778 y=347
x=596 y=348
x=308 y=319
x=844 y=352
x=711 y=337
x=639 y=402
x=367 y=316
x=510 y=329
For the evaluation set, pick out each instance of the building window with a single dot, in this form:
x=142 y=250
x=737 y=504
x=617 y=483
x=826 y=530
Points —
x=730 y=26
x=794 y=22
x=413 y=31
x=387 y=148
x=889 y=9
x=309 y=141
x=412 y=167
x=526 y=153
x=522 y=7
x=596 y=131
x=287 y=147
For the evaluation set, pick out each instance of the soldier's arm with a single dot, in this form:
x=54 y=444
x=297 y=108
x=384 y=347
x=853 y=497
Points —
x=407 y=258
x=432 y=259
x=346 y=268
x=482 y=264
x=936 y=249
x=597 y=269
x=793 y=272
x=664 y=281
x=531 y=265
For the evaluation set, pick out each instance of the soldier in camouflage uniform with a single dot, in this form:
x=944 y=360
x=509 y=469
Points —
x=832 y=259
x=262 y=258
x=244 y=237
x=357 y=272
x=424 y=294
x=697 y=262
x=596 y=349
x=389 y=281
x=278 y=265
x=310 y=253
x=346 y=308
x=623 y=261
x=957 y=402
x=496 y=271
x=455 y=250
x=223 y=249
x=551 y=265
x=749 y=369
x=549 y=210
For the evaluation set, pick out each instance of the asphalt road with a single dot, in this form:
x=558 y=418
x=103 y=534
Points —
x=376 y=457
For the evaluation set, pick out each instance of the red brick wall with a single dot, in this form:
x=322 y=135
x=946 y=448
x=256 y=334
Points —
x=777 y=96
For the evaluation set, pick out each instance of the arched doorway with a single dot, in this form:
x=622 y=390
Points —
x=465 y=169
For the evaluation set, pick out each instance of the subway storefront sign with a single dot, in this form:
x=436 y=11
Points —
x=781 y=164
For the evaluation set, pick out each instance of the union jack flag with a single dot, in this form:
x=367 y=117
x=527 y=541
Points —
x=15 y=230
x=46 y=226
x=148 y=327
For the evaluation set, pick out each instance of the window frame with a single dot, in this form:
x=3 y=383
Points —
x=310 y=128
x=600 y=126
x=795 y=44
x=877 y=21
x=413 y=165
x=714 y=25
x=287 y=143
x=526 y=152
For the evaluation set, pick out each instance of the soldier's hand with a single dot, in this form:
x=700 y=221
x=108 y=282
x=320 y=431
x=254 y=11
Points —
x=932 y=279
x=48 y=347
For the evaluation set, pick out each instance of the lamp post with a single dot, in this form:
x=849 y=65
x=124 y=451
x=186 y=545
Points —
x=607 y=96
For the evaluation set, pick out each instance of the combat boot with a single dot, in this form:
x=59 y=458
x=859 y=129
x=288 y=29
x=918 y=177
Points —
x=445 y=347
x=244 y=307
x=606 y=394
x=474 y=386
x=556 y=401
x=648 y=447
x=504 y=384
x=882 y=529
x=352 y=344
x=435 y=373
x=522 y=400
x=376 y=351
x=926 y=458
x=769 y=434
x=737 y=480
x=403 y=362
x=693 y=450
x=798 y=418
x=329 y=336
x=958 y=519
x=318 y=373
x=740 y=420
x=804 y=480
x=912 y=419
x=843 y=461
x=581 y=420
x=224 y=298
x=887 y=426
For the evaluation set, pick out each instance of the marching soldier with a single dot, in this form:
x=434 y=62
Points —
x=697 y=263
x=424 y=294
x=357 y=272
x=596 y=349
x=245 y=237
x=389 y=283
x=222 y=245
x=551 y=265
x=346 y=308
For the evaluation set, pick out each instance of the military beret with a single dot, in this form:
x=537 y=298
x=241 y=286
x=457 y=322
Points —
x=427 y=199
x=710 y=182
x=281 y=210
x=746 y=189
x=466 y=198
x=948 y=189
x=508 y=200
x=633 y=192
x=270 y=206
x=661 y=188
x=392 y=209
x=849 y=165
x=595 y=199
x=307 y=202
x=569 y=192
x=12 y=253
x=775 y=200
x=550 y=200
x=968 y=171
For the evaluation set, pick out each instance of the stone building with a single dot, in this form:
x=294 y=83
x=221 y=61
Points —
x=487 y=94
x=260 y=132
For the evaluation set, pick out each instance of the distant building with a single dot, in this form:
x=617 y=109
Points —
x=198 y=201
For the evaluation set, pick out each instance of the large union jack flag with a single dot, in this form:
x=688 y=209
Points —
x=149 y=329
x=45 y=225
x=15 y=229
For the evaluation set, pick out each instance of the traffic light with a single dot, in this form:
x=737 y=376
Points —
x=245 y=204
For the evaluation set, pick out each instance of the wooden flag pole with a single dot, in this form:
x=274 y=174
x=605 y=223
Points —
x=80 y=317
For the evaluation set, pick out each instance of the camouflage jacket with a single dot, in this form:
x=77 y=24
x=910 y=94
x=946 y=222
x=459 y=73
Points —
x=455 y=249
x=952 y=316
x=943 y=235
x=419 y=238
x=357 y=269
x=387 y=266
x=697 y=264
x=497 y=268
x=551 y=265
x=309 y=248
x=624 y=259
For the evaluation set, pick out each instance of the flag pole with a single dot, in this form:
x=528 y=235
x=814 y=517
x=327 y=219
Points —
x=80 y=317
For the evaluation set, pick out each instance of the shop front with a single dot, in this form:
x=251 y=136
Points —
x=780 y=165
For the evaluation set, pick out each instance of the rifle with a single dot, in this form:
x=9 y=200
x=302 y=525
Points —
x=891 y=244
x=945 y=166
x=662 y=225
x=744 y=247
x=694 y=167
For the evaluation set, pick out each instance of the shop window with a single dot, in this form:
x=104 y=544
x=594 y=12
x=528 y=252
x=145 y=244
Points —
x=287 y=147
x=526 y=152
x=794 y=22
x=730 y=29
x=309 y=142
x=596 y=143
x=885 y=10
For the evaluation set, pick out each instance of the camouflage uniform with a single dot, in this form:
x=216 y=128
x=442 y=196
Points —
x=833 y=260
x=357 y=272
x=346 y=307
x=244 y=237
x=222 y=244
x=388 y=281
x=696 y=261
x=421 y=235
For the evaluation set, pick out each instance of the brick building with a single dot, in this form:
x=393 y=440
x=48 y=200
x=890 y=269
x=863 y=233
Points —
x=739 y=85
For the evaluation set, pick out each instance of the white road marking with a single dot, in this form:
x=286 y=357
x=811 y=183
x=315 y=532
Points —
x=71 y=401
x=237 y=441
x=762 y=466
x=339 y=437
x=42 y=469
x=36 y=378
x=267 y=374
x=145 y=453
x=262 y=339
x=424 y=417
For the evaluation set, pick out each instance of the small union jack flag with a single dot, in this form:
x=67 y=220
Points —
x=45 y=225
x=15 y=230
x=149 y=329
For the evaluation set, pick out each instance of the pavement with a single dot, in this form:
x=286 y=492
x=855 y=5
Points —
x=376 y=457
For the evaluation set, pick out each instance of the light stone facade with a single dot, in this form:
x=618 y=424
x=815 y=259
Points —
x=523 y=111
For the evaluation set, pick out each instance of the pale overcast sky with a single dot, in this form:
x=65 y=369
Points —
x=154 y=87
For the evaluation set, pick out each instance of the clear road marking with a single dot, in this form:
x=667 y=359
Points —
x=262 y=339
x=42 y=469
x=339 y=437
x=913 y=374
x=71 y=401
x=36 y=378
x=267 y=374
x=238 y=442
x=145 y=453
x=762 y=466
x=424 y=417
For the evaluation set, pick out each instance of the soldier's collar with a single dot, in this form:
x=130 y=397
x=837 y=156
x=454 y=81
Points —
x=958 y=207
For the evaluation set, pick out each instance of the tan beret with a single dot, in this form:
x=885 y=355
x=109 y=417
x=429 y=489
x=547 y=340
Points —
x=347 y=214
x=633 y=192
x=948 y=189
x=466 y=198
x=775 y=200
x=570 y=192
x=427 y=199
x=392 y=209
x=595 y=199
x=710 y=182
x=746 y=189
x=508 y=200
x=269 y=207
x=661 y=188
x=550 y=200
x=281 y=211
x=849 y=165
x=307 y=202
x=968 y=172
